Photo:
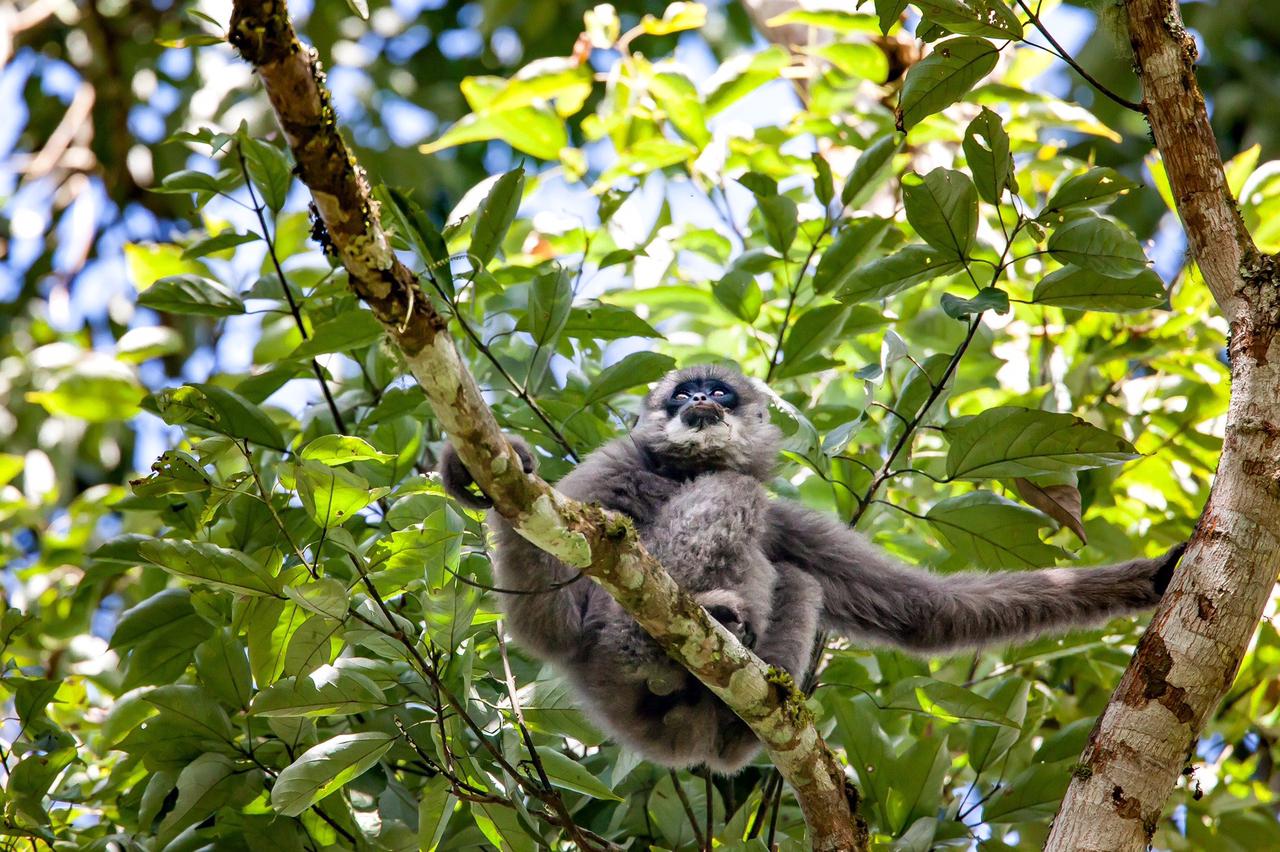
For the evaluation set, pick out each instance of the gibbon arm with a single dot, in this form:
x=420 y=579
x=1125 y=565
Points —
x=867 y=595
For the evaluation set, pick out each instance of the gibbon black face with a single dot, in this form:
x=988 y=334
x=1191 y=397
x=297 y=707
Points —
x=701 y=402
x=708 y=418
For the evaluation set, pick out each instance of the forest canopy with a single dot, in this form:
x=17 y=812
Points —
x=240 y=612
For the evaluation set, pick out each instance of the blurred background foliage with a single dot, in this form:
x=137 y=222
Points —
x=207 y=447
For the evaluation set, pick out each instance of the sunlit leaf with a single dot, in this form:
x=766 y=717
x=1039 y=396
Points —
x=325 y=767
x=943 y=77
x=1010 y=441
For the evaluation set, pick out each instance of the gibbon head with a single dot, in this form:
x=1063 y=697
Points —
x=709 y=418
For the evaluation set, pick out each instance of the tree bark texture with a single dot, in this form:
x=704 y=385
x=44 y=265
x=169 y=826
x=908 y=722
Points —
x=603 y=544
x=1189 y=655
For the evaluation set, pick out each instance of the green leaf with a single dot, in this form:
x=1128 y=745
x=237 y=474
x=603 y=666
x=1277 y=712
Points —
x=943 y=208
x=987 y=151
x=862 y=60
x=223 y=668
x=436 y=803
x=218 y=409
x=811 y=334
x=204 y=562
x=1034 y=794
x=1010 y=441
x=146 y=342
x=870 y=171
x=191 y=294
x=189 y=706
x=269 y=169
x=944 y=77
x=427 y=240
x=739 y=76
x=167 y=610
x=342 y=449
x=987 y=743
x=677 y=17
x=867 y=746
x=761 y=185
x=536 y=131
x=638 y=368
x=851 y=245
x=949 y=702
x=569 y=774
x=988 y=299
x=331 y=495
x=973 y=17
x=203 y=787
x=1087 y=290
x=740 y=294
x=678 y=97
x=606 y=322
x=96 y=390
x=325 y=767
x=1086 y=190
x=494 y=216
x=827 y=19
x=781 y=221
x=326 y=691
x=219 y=243
x=550 y=301
x=325 y=596
x=352 y=330
x=188 y=180
x=823 y=183
x=993 y=532
x=907 y=267
x=1091 y=242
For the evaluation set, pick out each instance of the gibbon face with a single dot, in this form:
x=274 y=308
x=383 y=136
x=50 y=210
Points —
x=708 y=418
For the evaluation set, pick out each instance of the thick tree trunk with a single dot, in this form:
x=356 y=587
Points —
x=1189 y=655
x=604 y=545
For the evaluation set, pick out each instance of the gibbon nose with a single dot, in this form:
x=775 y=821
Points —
x=701 y=412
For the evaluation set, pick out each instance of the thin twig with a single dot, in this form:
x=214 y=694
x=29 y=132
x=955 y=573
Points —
x=1066 y=57
x=288 y=294
x=688 y=810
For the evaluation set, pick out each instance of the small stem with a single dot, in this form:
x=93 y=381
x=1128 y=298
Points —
x=1066 y=57
x=288 y=295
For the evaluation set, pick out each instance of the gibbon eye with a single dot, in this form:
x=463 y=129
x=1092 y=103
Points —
x=717 y=393
x=681 y=395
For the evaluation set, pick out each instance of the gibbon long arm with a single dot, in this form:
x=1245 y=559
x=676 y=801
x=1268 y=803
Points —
x=868 y=595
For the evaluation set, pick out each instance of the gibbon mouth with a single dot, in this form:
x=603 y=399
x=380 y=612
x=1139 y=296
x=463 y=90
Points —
x=700 y=415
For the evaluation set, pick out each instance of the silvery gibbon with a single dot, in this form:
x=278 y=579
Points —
x=690 y=475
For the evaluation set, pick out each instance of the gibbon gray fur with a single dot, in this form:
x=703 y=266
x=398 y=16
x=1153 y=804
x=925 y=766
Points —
x=690 y=475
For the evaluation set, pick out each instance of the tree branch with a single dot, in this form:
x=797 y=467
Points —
x=602 y=543
x=1189 y=655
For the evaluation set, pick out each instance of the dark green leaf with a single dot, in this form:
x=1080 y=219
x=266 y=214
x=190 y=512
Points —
x=944 y=77
x=986 y=149
x=851 y=245
x=353 y=330
x=327 y=691
x=943 y=208
x=973 y=17
x=780 y=221
x=1093 y=187
x=905 y=268
x=1010 y=441
x=988 y=299
x=550 y=300
x=1087 y=290
x=219 y=243
x=426 y=237
x=606 y=322
x=823 y=184
x=218 y=409
x=325 y=767
x=740 y=294
x=191 y=294
x=269 y=169
x=992 y=532
x=638 y=368
x=204 y=562
x=870 y=171
x=494 y=217
x=811 y=334
x=1091 y=242
x=759 y=184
